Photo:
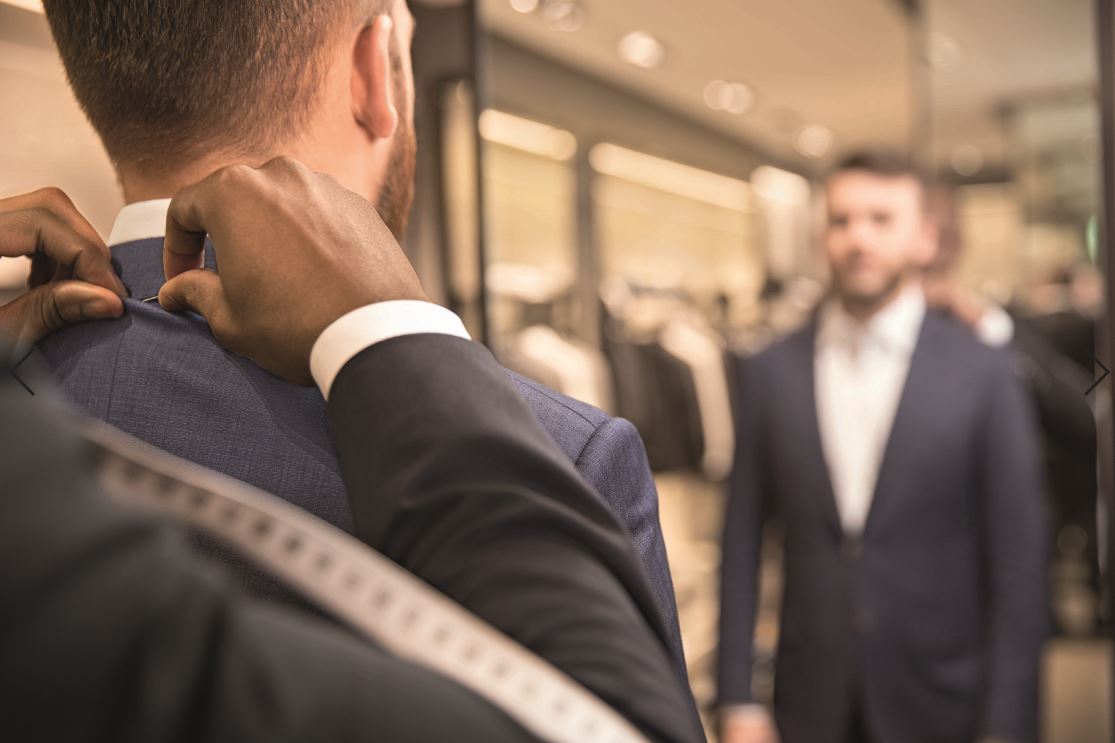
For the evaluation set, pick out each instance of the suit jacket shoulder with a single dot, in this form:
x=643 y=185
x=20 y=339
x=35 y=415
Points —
x=163 y=378
x=610 y=455
x=953 y=339
x=571 y=423
x=785 y=350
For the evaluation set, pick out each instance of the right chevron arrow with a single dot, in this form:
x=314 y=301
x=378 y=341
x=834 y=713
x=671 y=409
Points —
x=1106 y=371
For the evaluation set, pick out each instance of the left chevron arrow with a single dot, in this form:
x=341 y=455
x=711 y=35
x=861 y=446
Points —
x=16 y=377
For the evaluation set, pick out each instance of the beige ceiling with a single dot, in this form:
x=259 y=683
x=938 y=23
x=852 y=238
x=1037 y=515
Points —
x=1036 y=54
x=1012 y=49
x=840 y=64
x=846 y=65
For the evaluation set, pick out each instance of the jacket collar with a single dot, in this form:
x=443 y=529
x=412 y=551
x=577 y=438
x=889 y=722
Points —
x=136 y=242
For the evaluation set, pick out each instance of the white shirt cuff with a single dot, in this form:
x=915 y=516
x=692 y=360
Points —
x=995 y=328
x=352 y=333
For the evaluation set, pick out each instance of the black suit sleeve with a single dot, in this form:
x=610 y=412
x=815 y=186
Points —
x=746 y=514
x=1057 y=387
x=111 y=630
x=451 y=475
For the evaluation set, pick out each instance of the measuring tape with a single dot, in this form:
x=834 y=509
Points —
x=361 y=587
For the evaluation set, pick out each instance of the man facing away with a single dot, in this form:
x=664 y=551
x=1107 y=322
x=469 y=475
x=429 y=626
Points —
x=177 y=90
x=899 y=453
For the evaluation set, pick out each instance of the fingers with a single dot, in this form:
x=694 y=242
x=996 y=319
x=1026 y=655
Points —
x=184 y=246
x=196 y=211
x=39 y=231
x=198 y=291
x=45 y=309
x=58 y=203
x=70 y=227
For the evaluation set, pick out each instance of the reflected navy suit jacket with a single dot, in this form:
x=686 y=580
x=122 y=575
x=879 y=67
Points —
x=164 y=379
x=931 y=622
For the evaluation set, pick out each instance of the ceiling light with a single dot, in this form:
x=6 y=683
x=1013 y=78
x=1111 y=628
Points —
x=779 y=186
x=525 y=6
x=642 y=50
x=671 y=177
x=813 y=141
x=735 y=98
x=527 y=136
x=966 y=160
x=563 y=15
x=944 y=52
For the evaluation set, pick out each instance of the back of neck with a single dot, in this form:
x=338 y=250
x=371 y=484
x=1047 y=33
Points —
x=143 y=182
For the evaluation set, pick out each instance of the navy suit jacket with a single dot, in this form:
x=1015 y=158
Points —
x=932 y=621
x=164 y=379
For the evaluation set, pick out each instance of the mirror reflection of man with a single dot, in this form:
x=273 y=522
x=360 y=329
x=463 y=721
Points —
x=900 y=454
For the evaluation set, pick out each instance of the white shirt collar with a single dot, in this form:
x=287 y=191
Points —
x=896 y=325
x=141 y=220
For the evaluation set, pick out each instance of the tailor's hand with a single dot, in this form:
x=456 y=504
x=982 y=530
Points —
x=71 y=269
x=296 y=251
x=749 y=726
x=963 y=304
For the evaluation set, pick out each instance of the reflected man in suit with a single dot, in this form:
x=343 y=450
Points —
x=900 y=454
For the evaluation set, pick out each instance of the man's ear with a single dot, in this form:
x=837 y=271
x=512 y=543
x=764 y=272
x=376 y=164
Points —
x=373 y=104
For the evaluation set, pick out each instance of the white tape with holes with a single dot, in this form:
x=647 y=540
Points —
x=359 y=586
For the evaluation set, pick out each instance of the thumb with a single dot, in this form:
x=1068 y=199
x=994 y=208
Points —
x=44 y=309
x=198 y=290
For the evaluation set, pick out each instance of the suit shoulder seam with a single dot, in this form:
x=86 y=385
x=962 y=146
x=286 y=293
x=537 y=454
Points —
x=553 y=398
x=115 y=373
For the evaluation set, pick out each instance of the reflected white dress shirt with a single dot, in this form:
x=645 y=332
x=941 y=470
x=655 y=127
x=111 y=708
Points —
x=860 y=369
x=342 y=340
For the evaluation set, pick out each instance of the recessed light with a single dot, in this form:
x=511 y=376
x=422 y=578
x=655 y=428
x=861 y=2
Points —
x=642 y=50
x=966 y=160
x=813 y=140
x=563 y=15
x=732 y=97
x=944 y=53
x=526 y=135
x=525 y=6
x=669 y=176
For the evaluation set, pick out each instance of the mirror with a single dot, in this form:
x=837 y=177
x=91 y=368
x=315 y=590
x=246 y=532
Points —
x=654 y=179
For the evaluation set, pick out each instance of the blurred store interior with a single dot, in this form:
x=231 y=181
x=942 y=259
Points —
x=617 y=195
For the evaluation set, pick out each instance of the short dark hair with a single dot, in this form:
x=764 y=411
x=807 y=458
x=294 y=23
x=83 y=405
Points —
x=163 y=81
x=879 y=162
